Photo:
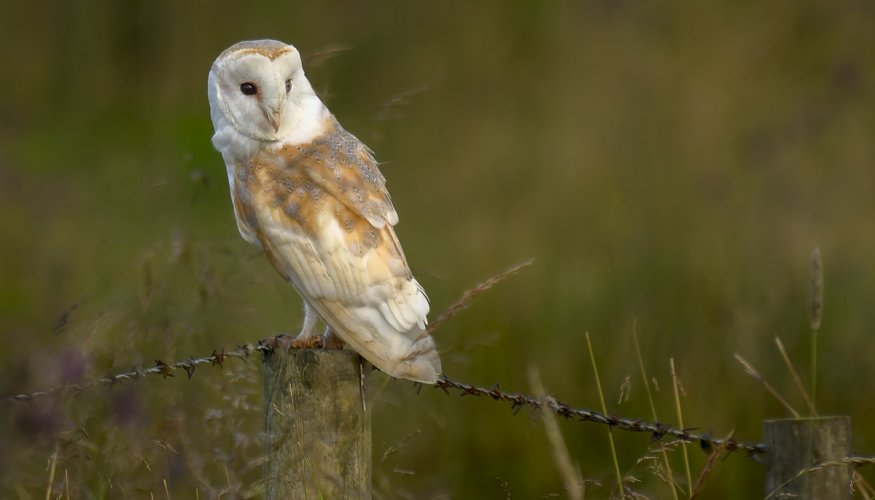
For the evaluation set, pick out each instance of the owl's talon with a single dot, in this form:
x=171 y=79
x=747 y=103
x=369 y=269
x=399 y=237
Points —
x=330 y=340
x=307 y=343
x=284 y=341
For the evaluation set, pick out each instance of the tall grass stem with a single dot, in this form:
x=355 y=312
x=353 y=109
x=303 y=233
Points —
x=677 y=402
x=570 y=474
x=815 y=314
x=665 y=462
x=759 y=378
x=795 y=376
x=598 y=384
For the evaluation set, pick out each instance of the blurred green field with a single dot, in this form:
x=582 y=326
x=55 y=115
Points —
x=668 y=166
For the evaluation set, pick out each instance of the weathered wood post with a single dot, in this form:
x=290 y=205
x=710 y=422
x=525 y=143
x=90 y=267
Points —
x=805 y=458
x=318 y=429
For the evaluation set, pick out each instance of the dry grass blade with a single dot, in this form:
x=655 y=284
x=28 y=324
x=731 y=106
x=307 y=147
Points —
x=777 y=493
x=391 y=450
x=466 y=298
x=677 y=402
x=707 y=469
x=863 y=486
x=320 y=56
x=53 y=461
x=391 y=107
x=815 y=290
x=570 y=474
x=665 y=462
x=815 y=313
x=795 y=375
x=505 y=488
x=759 y=378
x=598 y=385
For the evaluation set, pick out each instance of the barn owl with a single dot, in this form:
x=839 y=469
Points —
x=310 y=194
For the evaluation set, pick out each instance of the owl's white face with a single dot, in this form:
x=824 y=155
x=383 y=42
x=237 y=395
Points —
x=259 y=88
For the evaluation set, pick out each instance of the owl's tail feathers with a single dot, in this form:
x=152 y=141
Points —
x=421 y=363
x=409 y=354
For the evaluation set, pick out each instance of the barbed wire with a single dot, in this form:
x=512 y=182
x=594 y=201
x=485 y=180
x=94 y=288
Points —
x=266 y=348
x=656 y=430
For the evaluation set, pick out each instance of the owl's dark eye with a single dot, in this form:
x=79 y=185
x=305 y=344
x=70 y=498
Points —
x=248 y=88
x=288 y=86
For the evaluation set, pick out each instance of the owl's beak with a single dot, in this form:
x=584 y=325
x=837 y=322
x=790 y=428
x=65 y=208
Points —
x=274 y=116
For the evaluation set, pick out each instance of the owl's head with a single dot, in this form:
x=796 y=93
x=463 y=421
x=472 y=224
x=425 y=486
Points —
x=259 y=88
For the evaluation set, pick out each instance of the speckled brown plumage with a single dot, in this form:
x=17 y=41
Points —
x=334 y=176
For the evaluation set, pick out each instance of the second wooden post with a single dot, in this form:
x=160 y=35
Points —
x=805 y=458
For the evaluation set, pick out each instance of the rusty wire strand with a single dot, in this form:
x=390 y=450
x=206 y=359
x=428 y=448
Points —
x=217 y=358
x=266 y=347
x=656 y=430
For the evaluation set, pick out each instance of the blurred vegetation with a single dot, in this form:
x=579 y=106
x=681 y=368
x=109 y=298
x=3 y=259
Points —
x=669 y=165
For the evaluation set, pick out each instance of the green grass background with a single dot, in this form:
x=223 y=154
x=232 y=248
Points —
x=669 y=165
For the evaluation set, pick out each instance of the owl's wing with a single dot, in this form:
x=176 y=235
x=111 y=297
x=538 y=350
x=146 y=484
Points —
x=317 y=231
x=345 y=168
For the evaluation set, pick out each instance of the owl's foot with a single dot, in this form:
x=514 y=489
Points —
x=288 y=342
x=330 y=340
x=307 y=342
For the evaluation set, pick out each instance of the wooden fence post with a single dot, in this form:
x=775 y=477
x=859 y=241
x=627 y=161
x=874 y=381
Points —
x=805 y=458
x=318 y=431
